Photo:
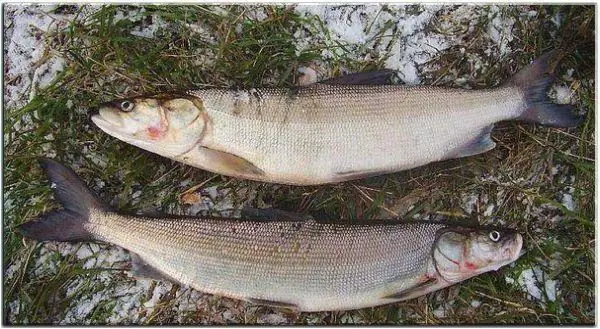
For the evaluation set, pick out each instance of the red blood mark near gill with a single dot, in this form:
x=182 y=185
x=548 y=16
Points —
x=156 y=133
x=470 y=266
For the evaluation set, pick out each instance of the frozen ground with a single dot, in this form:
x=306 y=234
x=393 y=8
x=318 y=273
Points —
x=397 y=33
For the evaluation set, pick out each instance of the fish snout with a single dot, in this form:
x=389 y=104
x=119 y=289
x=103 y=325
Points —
x=512 y=251
x=108 y=116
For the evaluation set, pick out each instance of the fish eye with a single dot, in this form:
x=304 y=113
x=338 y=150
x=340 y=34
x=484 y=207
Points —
x=126 y=106
x=494 y=236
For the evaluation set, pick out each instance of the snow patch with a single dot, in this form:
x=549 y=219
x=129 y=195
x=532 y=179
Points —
x=150 y=30
x=274 y=318
x=500 y=29
x=407 y=37
x=536 y=283
x=566 y=198
x=214 y=201
x=28 y=65
x=561 y=94
x=15 y=308
x=12 y=269
x=489 y=210
x=82 y=309
x=394 y=32
x=160 y=291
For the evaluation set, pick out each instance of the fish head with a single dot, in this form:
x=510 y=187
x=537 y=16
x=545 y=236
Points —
x=461 y=253
x=168 y=125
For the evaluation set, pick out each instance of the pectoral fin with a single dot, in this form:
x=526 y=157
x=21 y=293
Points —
x=406 y=293
x=363 y=78
x=221 y=162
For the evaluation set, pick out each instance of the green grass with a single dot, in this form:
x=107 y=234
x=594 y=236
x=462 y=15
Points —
x=104 y=62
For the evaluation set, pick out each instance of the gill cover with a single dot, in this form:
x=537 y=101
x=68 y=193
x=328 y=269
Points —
x=461 y=254
x=167 y=126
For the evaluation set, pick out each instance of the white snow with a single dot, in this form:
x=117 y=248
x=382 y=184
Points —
x=440 y=312
x=469 y=202
x=43 y=264
x=214 y=201
x=365 y=27
x=136 y=194
x=150 y=30
x=128 y=304
x=309 y=76
x=536 y=283
x=15 y=308
x=561 y=94
x=534 y=280
x=500 y=30
x=557 y=19
x=274 y=318
x=401 y=33
x=489 y=210
x=12 y=269
x=25 y=65
x=160 y=291
x=566 y=198
x=82 y=310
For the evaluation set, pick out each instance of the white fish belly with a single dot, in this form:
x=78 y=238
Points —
x=318 y=138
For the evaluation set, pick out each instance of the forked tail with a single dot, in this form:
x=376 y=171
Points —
x=535 y=80
x=77 y=200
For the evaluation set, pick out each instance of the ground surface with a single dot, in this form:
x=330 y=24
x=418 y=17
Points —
x=61 y=62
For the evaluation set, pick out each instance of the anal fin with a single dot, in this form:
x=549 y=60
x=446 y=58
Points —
x=480 y=144
x=141 y=269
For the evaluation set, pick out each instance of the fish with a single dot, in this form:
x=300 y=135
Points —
x=281 y=260
x=341 y=129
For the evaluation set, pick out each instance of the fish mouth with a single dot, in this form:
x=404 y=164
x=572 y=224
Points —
x=518 y=245
x=513 y=250
x=108 y=118
x=112 y=123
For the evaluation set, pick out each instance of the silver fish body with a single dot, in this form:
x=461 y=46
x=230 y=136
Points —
x=328 y=132
x=302 y=264
x=331 y=133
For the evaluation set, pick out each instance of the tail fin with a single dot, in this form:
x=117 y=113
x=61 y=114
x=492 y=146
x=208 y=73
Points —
x=77 y=201
x=535 y=80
